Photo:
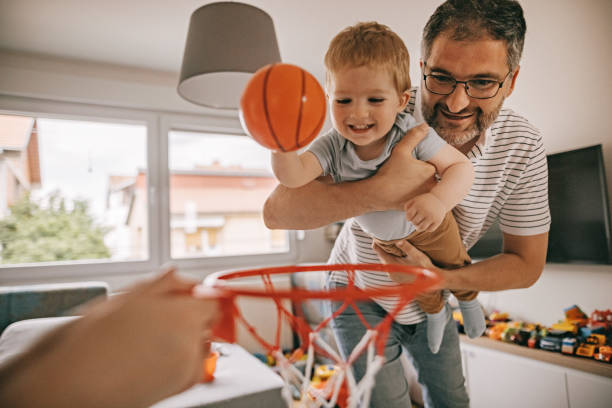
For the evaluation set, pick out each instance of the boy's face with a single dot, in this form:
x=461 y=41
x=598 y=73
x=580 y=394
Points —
x=364 y=103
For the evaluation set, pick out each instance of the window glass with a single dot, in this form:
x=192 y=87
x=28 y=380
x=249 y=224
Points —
x=218 y=185
x=72 y=191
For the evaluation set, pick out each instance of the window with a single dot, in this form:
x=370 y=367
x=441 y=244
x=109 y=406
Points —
x=217 y=187
x=119 y=191
x=72 y=190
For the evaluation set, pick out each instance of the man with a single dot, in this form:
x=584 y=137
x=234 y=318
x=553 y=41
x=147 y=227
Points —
x=470 y=63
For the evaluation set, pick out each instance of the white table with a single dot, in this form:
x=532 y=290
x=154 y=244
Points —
x=241 y=381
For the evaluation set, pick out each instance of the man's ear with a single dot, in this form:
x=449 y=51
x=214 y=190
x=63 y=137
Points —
x=513 y=81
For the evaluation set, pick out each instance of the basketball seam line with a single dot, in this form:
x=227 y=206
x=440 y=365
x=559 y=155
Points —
x=265 y=103
x=299 y=118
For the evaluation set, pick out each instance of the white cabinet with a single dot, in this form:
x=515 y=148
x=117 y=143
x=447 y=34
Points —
x=588 y=391
x=501 y=379
x=497 y=379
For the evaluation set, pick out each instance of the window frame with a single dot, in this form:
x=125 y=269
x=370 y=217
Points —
x=218 y=125
x=158 y=124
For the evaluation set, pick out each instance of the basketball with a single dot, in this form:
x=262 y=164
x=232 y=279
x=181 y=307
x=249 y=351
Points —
x=282 y=107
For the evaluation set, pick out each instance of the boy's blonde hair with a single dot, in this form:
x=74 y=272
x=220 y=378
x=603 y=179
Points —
x=369 y=44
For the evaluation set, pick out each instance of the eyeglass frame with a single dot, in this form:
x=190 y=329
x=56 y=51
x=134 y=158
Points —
x=465 y=85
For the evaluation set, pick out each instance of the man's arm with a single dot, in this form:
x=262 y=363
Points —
x=320 y=203
x=518 y=266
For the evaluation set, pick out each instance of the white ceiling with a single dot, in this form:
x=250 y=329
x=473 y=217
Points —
x=151 y=33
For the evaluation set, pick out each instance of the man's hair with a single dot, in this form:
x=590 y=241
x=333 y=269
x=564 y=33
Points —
x=467 y=20
x=369 y=44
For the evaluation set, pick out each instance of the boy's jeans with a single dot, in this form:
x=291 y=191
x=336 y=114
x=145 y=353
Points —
x=440 y=374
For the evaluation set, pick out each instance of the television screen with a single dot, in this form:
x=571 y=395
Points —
x=578 y=198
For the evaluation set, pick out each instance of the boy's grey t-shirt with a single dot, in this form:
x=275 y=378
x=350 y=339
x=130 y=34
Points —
x=338 y=159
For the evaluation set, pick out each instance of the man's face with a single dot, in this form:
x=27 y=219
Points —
x=457 y=117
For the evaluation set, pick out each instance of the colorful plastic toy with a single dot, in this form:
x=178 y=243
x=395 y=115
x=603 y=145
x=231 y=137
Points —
x=575 y=315
x=589 y=347
x=495 y=332
x=552 y=341
x=568 y=345
x=604 y=354
x=498 y=317
x=601 y=319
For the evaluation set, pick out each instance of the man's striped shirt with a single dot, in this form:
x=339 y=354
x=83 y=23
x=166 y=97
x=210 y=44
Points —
x=510 y=185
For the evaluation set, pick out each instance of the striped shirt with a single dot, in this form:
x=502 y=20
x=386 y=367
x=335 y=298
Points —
x=510 y=186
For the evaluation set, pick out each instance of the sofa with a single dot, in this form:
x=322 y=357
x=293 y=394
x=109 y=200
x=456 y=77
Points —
x=27 y=312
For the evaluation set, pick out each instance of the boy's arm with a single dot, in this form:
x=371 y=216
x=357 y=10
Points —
x=318 y=203
x=293 y=170
x=456 y=174
x=426 y=211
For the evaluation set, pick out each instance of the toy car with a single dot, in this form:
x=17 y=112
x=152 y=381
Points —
x=568 y=345
x=508 y=334
x=566 y=326
x=601 y=319
x=495 y=332
x=534 y=339
x=604 y=354
x=552 y=341
x=498 y=317
x=589 y=347
x=576 y=316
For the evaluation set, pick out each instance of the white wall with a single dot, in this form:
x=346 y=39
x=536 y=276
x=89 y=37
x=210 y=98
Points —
x=567 y=43
x=564 y=88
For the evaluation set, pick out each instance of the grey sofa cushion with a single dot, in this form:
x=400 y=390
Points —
x=49 y=300
x=19 y=336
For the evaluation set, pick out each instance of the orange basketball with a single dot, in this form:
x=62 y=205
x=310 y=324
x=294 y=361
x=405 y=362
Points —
x=282 y=107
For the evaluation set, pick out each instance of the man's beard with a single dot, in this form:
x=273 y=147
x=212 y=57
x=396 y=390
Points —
x=452 y=135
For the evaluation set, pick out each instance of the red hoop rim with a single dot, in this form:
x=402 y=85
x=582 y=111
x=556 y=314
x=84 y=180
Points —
x=425 y=279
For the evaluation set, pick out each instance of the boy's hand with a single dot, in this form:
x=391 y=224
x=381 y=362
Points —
x=402 y=176
x=425 y=211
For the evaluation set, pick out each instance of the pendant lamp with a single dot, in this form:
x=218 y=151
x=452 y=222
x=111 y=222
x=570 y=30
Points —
x=226 y=43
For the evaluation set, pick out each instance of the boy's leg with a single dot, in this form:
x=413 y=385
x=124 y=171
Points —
x=432 y=303
x=440 y=374
x=473 y=317
x=391 y=386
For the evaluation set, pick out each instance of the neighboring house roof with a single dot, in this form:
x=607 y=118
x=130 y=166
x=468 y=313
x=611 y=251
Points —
x=233 y=190
x=18 y=135
x=15 y=132
x=214 y=191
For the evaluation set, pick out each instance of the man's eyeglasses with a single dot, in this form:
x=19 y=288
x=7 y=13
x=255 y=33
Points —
x=479 y=88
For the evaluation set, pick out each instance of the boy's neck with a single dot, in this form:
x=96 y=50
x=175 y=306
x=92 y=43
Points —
x=372 y=150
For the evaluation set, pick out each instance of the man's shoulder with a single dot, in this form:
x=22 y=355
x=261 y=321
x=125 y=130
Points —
x=512 y=127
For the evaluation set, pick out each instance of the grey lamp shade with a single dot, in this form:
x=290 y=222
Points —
x=226 y=43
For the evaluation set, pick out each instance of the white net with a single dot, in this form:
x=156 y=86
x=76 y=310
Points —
x=358 y=393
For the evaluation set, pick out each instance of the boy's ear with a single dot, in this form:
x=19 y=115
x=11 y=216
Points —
x=404 y=99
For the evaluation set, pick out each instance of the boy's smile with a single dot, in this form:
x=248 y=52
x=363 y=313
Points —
x=364 y=103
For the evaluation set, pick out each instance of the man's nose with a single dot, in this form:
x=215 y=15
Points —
x=458 y=99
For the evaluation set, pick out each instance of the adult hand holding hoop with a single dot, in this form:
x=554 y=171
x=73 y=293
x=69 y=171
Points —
x=131 y=351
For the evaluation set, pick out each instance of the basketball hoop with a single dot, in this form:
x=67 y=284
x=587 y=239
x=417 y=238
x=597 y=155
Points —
x=342 y=381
